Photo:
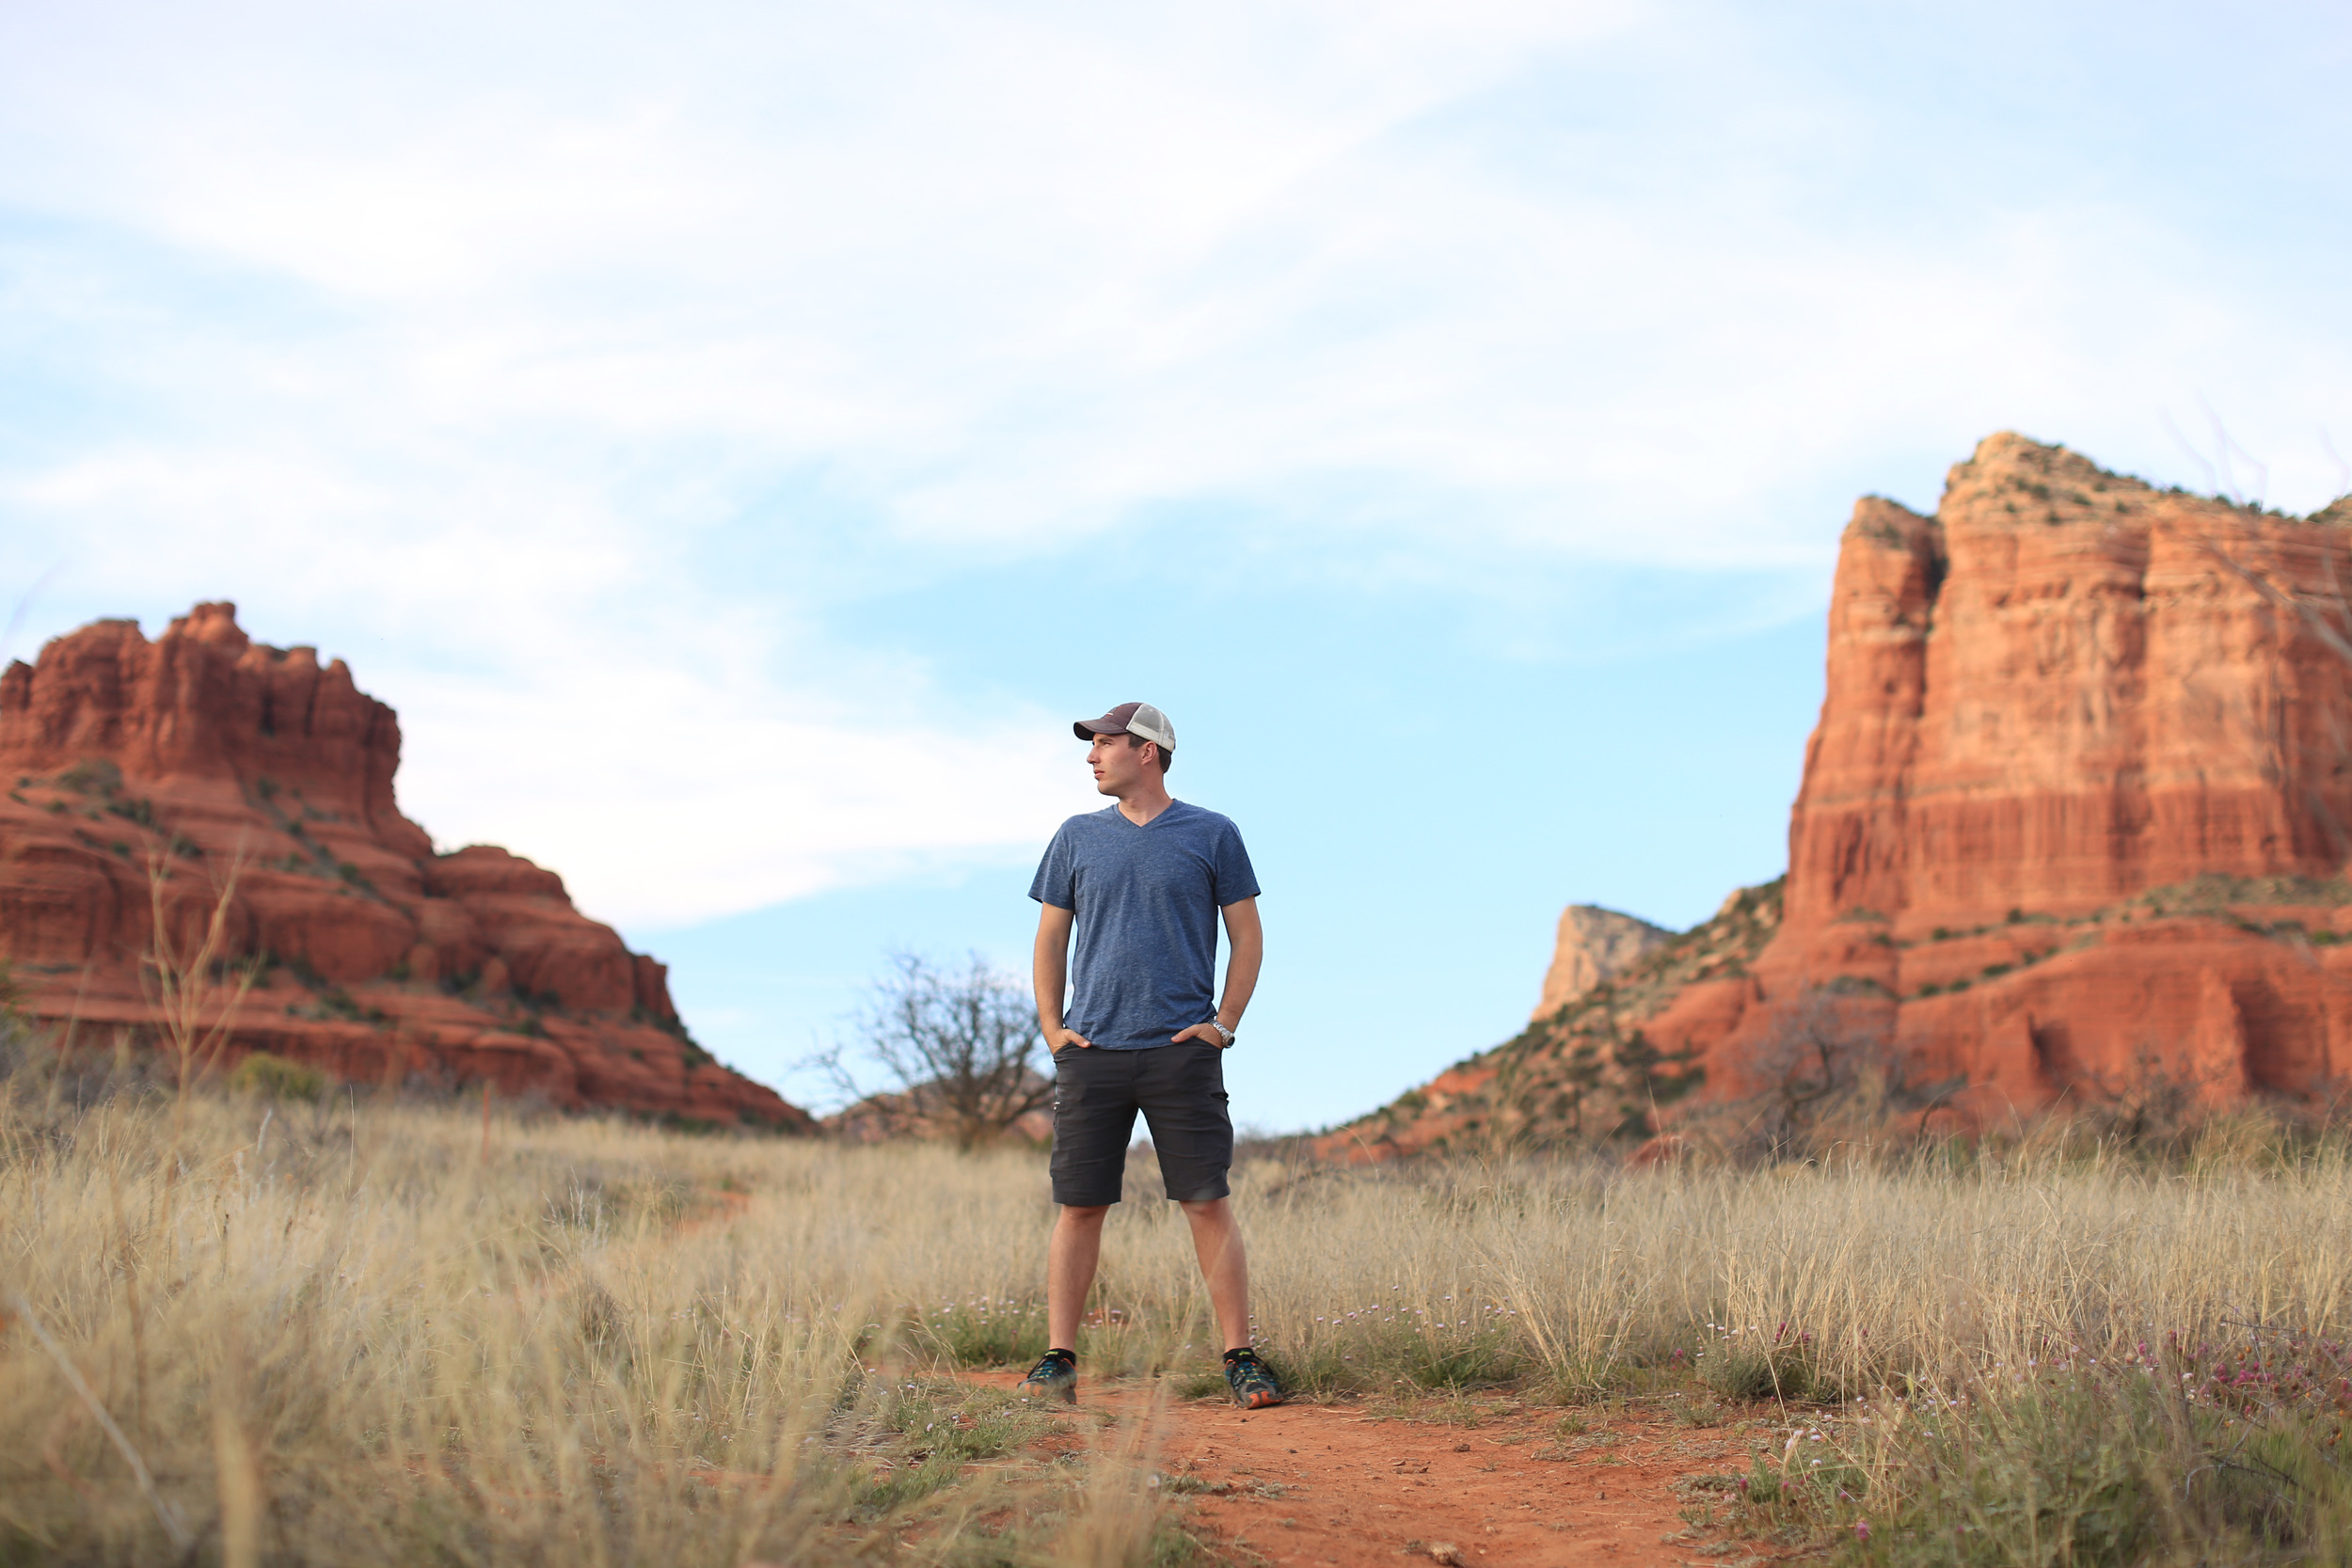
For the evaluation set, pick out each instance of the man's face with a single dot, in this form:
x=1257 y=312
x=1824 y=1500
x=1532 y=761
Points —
x=1118 y=764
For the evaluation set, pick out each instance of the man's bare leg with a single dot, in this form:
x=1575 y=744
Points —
x=1216 y=1241
x=1071 y=1256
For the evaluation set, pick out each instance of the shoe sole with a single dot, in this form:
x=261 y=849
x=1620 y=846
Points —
x=1039 y=1390
x=1261 y=1401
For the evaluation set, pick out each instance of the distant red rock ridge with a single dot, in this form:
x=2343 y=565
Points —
x=2077 y=812
x=209 y=753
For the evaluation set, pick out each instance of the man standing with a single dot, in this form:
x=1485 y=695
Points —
x=1141 y=883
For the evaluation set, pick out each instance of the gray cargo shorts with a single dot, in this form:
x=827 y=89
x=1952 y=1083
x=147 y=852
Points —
x=1181 y=1091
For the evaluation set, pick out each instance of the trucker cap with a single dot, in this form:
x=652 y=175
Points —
x=1140 y=720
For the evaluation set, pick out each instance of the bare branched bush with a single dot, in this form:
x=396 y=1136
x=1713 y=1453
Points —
x=1829 y=1078
x=1811 y=1060
x=2146 y=1106
x=960 y=1050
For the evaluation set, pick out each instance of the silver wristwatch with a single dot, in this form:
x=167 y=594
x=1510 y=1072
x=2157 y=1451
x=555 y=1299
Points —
x=1224 y=1036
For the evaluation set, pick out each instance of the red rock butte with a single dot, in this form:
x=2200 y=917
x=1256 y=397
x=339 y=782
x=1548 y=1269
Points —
x=223 y=764
x=2078 y=811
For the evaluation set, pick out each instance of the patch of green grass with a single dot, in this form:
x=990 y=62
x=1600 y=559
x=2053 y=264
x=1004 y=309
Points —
x=1435 y=1361
x=982 y=1331
x=1436 y=1356
x=935 y=1428
x=2133 y=1458
x=964 y=1422
x=1455 y=1410
x=1205 y=1386
x=892 y=1487
x=1749 y=1365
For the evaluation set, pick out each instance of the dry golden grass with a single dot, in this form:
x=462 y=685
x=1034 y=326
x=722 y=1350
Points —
x=336 y=1333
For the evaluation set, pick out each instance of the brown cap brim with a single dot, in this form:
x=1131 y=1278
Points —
x=1113 y=723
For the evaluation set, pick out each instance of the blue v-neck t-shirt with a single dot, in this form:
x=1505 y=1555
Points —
x=1147 y=901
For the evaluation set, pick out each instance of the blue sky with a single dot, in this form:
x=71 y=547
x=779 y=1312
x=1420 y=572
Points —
x=739 y=438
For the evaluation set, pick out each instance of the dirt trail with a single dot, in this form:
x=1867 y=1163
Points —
x=1315 y=1484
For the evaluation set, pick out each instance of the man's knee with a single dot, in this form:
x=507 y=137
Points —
x=1089 y=1216
x=1207 y=1210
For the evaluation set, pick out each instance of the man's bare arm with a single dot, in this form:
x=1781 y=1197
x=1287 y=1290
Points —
x=1049 y=976
x=1247 y=938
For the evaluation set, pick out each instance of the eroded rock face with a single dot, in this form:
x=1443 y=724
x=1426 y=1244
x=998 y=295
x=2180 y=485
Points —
x=2075 y=816
x=1594 y=945
x=2080 y=798
x=226 y=765
x=2066 y=689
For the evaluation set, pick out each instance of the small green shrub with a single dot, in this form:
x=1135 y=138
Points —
x=277 y=1078
x=1747 y=1364
x=1465 y=1361
x=93 y=776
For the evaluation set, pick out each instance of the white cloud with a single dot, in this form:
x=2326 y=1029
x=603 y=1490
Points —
x=453 y=330
x=665 y=801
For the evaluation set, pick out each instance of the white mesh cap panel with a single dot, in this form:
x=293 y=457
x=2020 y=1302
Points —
x=1151 y=723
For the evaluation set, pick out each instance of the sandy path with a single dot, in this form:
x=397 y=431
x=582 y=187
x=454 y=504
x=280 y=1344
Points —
x=1328 y=1483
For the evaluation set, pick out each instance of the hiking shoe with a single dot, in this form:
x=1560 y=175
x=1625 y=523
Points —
x=1253 y=1386
x=1052 y=1378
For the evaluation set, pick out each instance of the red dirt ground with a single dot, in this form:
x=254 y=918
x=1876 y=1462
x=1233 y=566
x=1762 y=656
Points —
x=1343 y=1483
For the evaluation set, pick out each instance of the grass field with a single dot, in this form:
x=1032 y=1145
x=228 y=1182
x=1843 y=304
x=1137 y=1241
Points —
x=339 y=1330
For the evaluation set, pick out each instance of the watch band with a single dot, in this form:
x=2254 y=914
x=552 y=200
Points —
x=1223 y=1034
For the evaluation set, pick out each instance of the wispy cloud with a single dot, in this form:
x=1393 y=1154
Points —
x=460 y=334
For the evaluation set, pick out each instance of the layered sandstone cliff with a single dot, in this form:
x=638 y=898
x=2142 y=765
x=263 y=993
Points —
x=165 y=773
x=1594 y=945
x=2075 y=814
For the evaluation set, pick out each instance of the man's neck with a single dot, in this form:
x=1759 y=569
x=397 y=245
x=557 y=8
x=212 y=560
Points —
x=1143 y=804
